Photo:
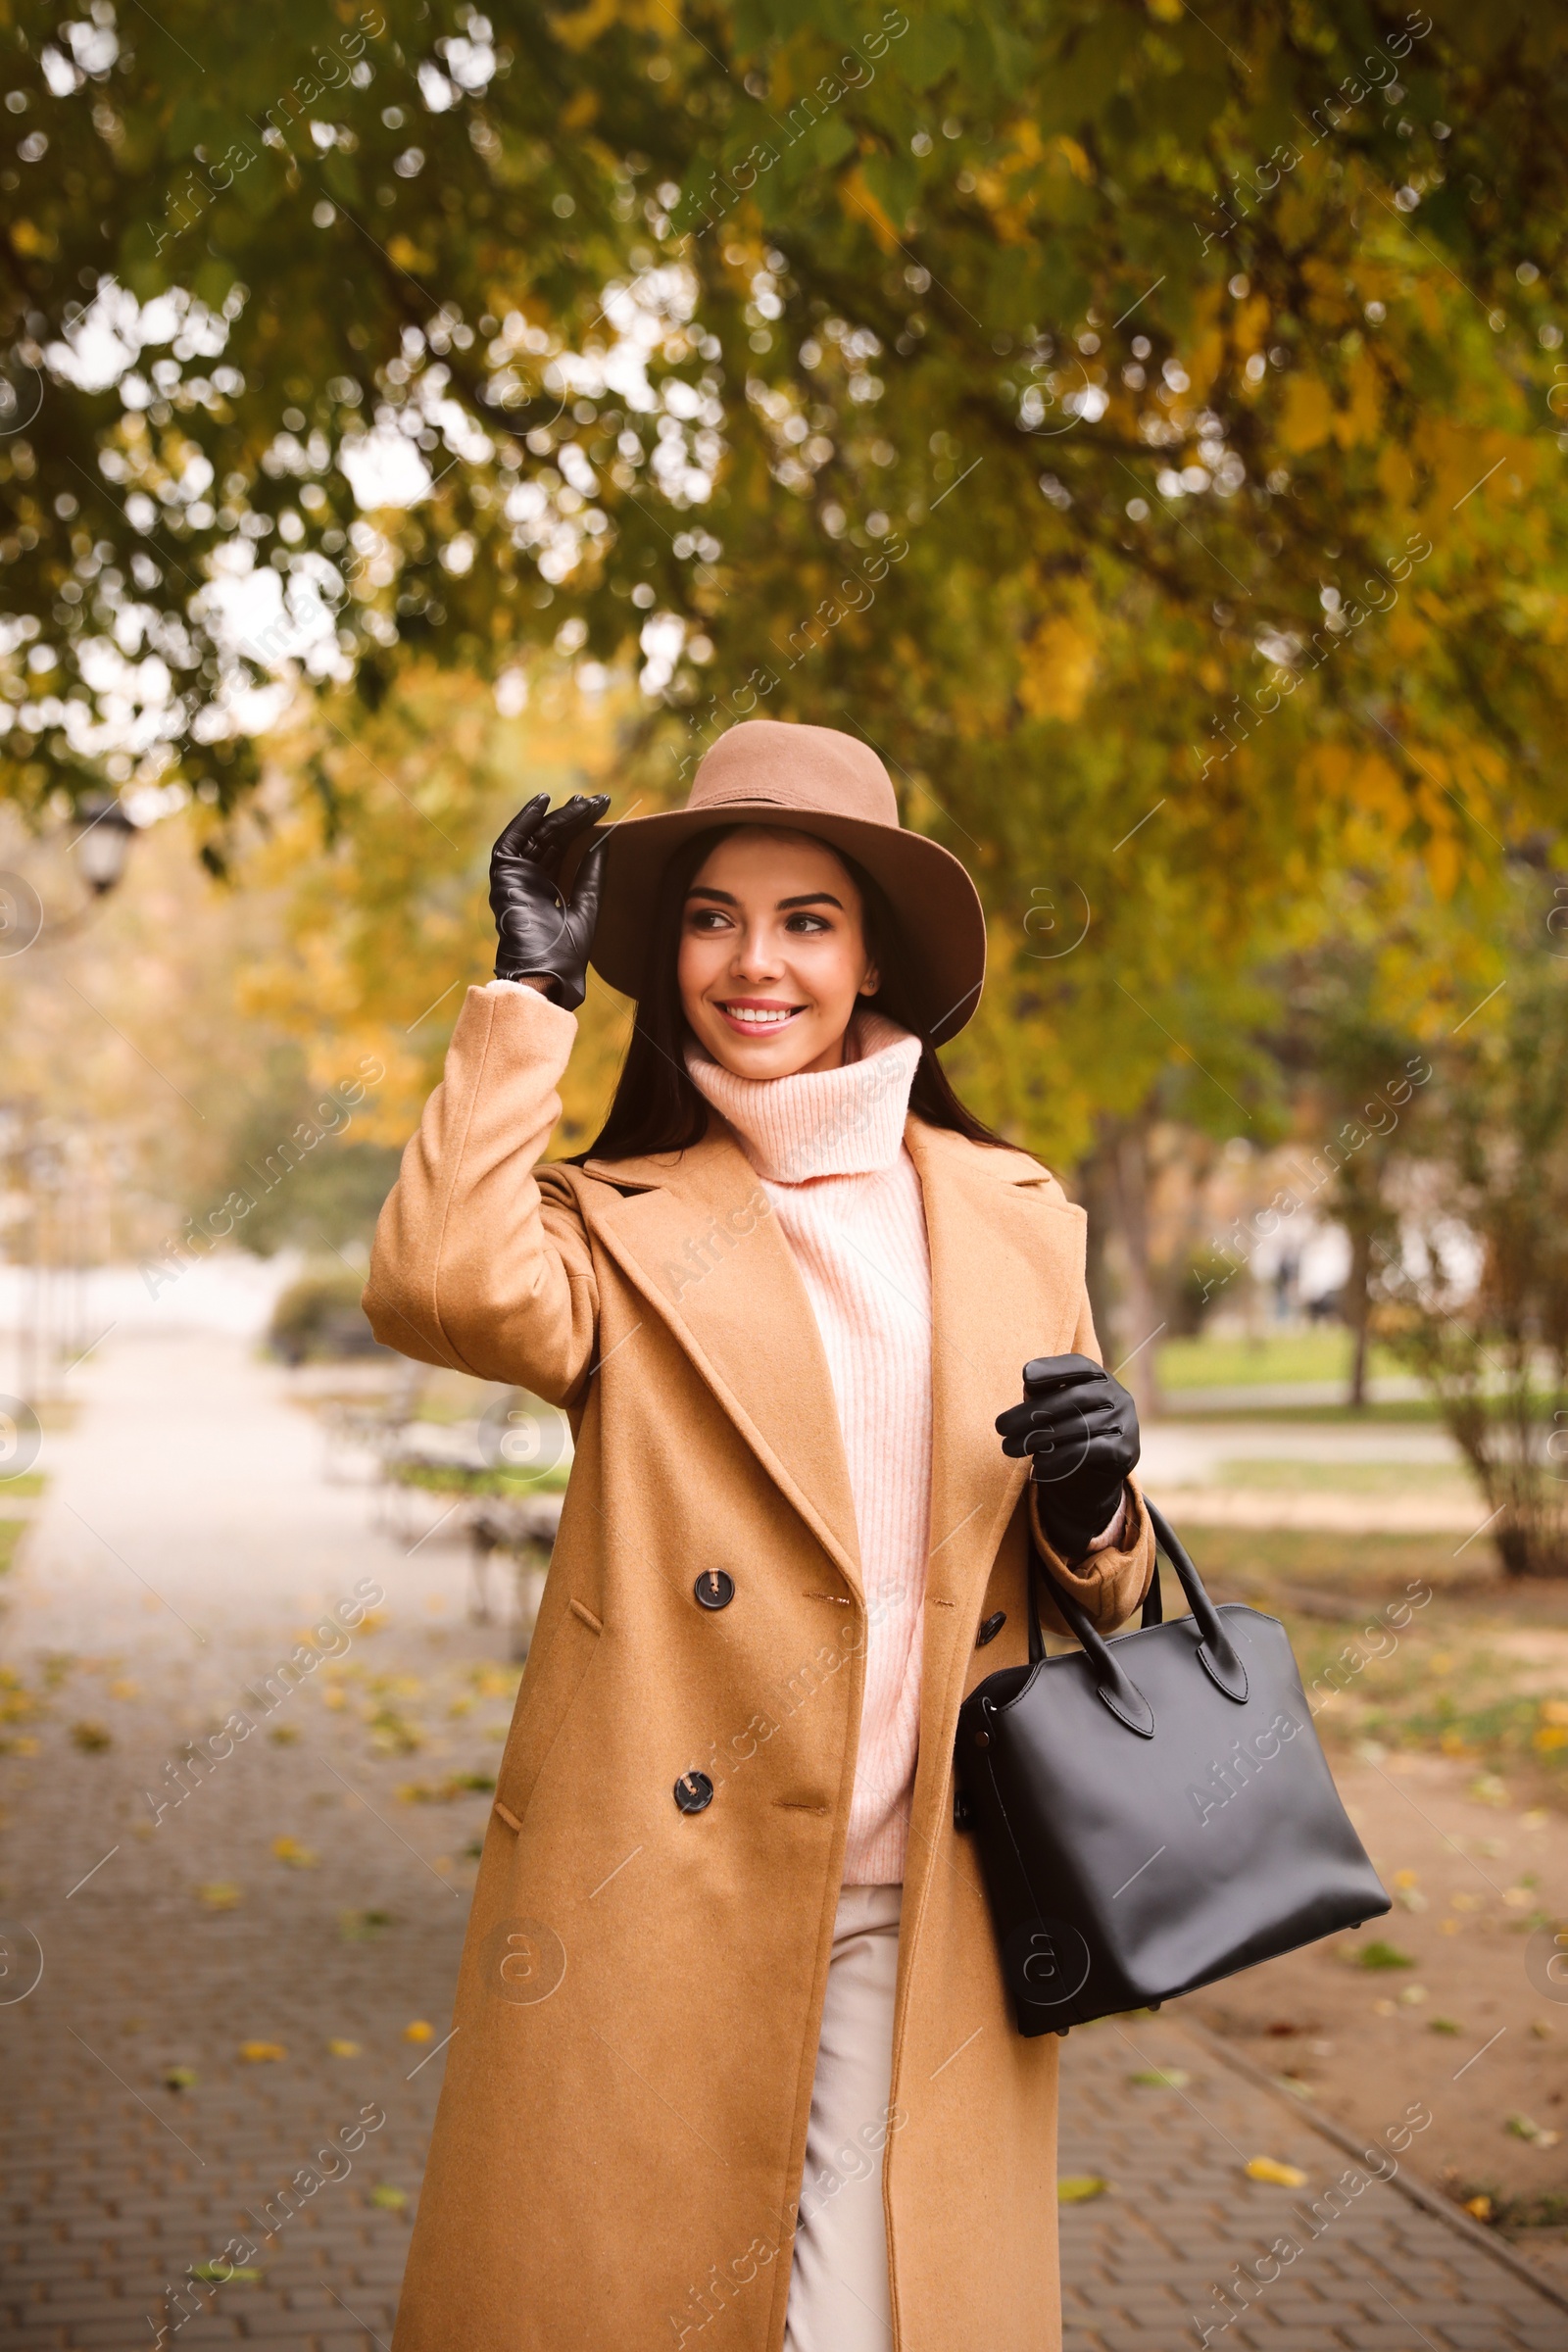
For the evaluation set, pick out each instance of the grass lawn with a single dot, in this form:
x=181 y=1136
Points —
x=450 y=1478
x=11 y=1532
x=1293 y=1477
x=1236 y=1362
x=1477 y=1671
x=1327 y=1416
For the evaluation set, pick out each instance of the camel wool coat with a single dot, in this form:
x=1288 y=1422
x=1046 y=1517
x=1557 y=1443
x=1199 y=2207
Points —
x=617 y=2154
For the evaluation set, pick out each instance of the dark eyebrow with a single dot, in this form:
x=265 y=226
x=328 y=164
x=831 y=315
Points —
x=810 y=897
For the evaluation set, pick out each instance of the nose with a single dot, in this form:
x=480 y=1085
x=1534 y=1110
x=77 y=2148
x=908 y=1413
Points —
x=756 y=960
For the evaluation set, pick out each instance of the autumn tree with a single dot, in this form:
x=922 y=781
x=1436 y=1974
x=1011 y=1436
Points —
x=1139 y=426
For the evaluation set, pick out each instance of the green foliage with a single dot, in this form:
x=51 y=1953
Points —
x=1176 y=550
x=320 y=1318
x=1143 y=427
x=1477 y=1300
x=1377 y=1955
x=317 y=1200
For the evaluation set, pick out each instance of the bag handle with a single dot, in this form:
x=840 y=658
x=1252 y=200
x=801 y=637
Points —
x=1217 y=1652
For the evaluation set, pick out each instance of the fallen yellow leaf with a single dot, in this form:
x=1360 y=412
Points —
x=1078 y=2188
x=257 y=2053
x=418 y=2030
x=220 y=1894
x=297 y=1856
x=343 y=2049
x=1481 y=2207
x=1279 y=2176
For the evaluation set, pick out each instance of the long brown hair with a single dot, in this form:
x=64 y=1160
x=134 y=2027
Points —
x=655 y=1106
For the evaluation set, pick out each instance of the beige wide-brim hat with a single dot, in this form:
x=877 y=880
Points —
x=815 y=780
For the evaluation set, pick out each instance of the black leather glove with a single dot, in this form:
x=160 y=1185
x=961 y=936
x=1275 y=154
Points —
x=1080 y=1429
x=539 y=935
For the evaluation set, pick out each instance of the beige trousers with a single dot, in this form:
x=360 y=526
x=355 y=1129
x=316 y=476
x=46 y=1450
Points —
x=838 y=2298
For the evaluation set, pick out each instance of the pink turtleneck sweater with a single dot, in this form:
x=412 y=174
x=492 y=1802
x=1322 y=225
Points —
x=828 y=1147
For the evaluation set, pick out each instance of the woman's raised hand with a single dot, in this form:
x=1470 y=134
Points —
x=1079 y=1428
x=539 y=935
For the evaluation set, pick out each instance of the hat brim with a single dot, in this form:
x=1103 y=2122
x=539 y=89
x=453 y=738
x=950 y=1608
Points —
x=931 y=893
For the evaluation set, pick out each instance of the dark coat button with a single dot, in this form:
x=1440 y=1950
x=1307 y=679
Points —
x=991 y=1628
x=693 y=1791
x=714 y=1588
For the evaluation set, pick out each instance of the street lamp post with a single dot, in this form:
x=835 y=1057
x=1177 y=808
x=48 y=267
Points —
x=102 y=844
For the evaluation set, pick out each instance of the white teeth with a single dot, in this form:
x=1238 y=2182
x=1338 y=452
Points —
x=757 y=1019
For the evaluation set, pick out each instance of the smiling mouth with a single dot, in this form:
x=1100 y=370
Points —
x=756 y=1017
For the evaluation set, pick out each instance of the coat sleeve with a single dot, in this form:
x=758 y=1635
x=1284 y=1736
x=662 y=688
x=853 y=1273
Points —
x=473 y=1266
x=1110 y=1583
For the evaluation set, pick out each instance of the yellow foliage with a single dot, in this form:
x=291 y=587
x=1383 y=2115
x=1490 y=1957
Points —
x=1278 y=2174
x=1250 y=330
x=1308 y=413
x=403 y=254
x=1374 y=785
x=1445 y=862
x=1058 y=670
x=579 y=28
x=1395 y=475
x=858 y=198
x=1205 y=359
x=1361 y=420
x=1407 y=632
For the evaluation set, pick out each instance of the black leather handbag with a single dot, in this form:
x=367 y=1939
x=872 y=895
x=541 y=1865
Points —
x=1152 y=1812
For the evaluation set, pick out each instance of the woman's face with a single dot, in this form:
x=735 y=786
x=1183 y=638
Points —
x=772 y=955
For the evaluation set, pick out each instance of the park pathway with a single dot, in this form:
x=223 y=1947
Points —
x=231 y=1980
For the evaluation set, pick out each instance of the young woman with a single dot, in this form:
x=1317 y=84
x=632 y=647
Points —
x=733 y=2063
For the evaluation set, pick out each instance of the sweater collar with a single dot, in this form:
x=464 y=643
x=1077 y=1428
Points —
x=843 y=1122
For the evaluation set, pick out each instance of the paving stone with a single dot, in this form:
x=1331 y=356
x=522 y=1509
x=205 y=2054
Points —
x=189 y=1467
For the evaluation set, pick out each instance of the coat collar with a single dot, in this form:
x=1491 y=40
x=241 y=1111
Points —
x=693 y=1232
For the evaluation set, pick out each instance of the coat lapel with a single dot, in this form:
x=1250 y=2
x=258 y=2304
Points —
x=1007 y=1281
x=1007 y=1284
x=695 y=1234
